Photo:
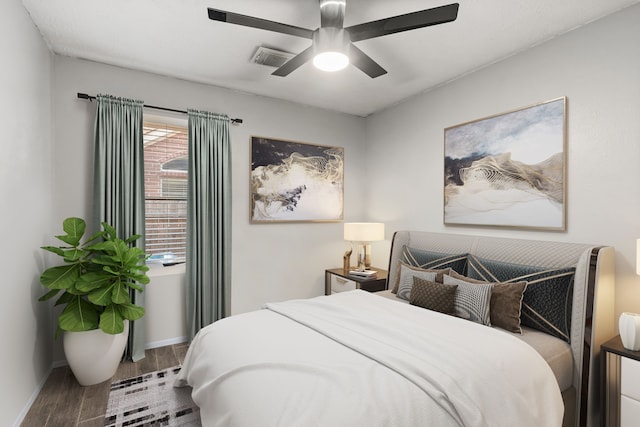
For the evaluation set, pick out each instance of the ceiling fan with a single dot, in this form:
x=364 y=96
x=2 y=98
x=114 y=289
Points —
x=332 y=44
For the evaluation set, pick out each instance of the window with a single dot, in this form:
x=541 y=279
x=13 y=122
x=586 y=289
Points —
x=165 y=180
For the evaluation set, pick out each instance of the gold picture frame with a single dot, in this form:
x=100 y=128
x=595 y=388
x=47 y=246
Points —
x=295 y=181
x=508 y=170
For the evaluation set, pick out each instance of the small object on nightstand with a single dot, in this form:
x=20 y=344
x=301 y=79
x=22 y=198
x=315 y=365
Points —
x=365 y=273
x=629 y=325
x=346 y=260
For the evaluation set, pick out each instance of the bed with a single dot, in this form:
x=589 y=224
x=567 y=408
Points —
x=399 y=357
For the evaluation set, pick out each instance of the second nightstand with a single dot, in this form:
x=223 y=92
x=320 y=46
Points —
x=338 y=280
x=621 y=384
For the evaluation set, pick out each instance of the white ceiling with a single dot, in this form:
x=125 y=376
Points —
x=176 y=38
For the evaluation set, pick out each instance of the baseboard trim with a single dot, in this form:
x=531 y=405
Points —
x=34 y=396
x=163 y=343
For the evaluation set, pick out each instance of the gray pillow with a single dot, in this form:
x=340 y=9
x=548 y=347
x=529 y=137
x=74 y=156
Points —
x=472 y=301
x=407 y=273
x=506 y=302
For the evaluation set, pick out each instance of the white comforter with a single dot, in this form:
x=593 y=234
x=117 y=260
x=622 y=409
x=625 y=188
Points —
x=355 y=359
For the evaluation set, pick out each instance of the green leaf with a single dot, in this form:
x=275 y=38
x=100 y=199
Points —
x=133 y=257
x=131 y=311
x=102 y=246
x=73 y=290
x=111 y=320
x=121 y=249
x=65 y=298
x=95 y=236
x=105 y=260
x=56 y=250
x=61 y=277
x=69 y=240
x=135 y=286
x=133 y=238
x=101 y=296
x=49 y=295
x=115 y=272
x=74 y=227
x=93 y=280
x=73 y=255
x=111 y=232
x=120 y=294
x=79 y=315
x=140 y=278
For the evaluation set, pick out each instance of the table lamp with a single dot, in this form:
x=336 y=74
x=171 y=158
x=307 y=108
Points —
x=363 y=233
x=629 y=323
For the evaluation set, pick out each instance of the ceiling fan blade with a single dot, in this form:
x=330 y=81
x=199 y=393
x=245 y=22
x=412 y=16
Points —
x=362 y=61
x=294 y=63
x=263 y=24
x=409 y=21
x=332 y=13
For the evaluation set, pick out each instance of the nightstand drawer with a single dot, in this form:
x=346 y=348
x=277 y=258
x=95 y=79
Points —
x=339 y=280
x=629 y=412
x=340 y=284
x=630 y=378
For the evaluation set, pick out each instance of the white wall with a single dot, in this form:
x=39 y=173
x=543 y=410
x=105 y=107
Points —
x=597 y=67
x=25 y=186
x=165 y=320
x=270 y=262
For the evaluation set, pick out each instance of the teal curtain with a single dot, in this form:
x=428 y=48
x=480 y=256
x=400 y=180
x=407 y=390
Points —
x=208 y=266
x=119 y=184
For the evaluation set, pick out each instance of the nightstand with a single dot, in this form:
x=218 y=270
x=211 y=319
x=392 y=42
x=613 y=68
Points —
x=339 y=280
x=620 y=384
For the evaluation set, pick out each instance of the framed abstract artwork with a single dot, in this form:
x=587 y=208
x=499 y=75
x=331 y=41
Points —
x=295 y=181
x=508 y=170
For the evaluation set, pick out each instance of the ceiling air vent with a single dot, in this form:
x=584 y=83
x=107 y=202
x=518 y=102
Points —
x=271 y=57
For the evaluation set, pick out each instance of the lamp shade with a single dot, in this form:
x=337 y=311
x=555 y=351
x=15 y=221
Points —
x=363 y=231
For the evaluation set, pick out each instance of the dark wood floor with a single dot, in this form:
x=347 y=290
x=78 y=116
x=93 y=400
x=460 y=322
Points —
x=63 y=402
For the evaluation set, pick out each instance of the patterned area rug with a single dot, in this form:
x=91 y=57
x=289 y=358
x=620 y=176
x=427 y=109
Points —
x=151 y=400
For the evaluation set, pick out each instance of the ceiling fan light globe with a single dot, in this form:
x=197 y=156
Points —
x=331 y=61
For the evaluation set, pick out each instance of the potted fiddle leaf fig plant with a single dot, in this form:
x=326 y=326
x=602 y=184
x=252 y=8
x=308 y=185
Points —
x=95 y=280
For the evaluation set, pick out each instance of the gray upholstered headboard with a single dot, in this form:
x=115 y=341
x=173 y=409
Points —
x=592 y=316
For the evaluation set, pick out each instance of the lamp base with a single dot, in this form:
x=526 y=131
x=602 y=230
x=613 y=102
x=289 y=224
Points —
x=364 y=256
x=629 y=325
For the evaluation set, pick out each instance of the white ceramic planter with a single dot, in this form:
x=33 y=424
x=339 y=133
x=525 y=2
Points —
x=93 y=356
x=629 y=325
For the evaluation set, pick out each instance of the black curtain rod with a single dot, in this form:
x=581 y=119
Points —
x=91 y=98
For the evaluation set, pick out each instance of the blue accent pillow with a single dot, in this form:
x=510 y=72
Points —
x=548 y=298
x=433 y=260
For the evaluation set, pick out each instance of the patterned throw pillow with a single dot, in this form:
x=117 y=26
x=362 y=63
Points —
x=548 y=298
x=506 y=303
x=433 y=295
x=431 y=260
x=407 y=273
x=426 y=259
x=471 y=300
